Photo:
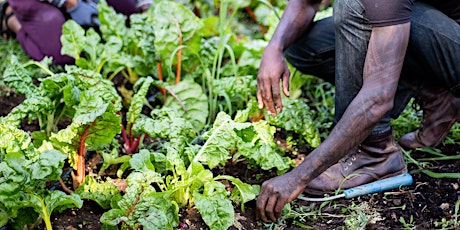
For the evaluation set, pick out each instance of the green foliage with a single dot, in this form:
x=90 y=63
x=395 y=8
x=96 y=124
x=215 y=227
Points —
x=173 y=21
x=142 y=206
x=100 y=192
x=125 y=49
x=191 y=103
x=296 y=116
x=24 y=172
x=169 y=125
x=253 y=141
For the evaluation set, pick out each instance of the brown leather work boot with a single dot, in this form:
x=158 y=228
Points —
x=378 y=157
x=440 y=112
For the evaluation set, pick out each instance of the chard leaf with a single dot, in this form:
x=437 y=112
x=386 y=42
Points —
x=24 y=172
x=139 y=203
x=170 y=18
x=142 y=161
x=31 y=107
x=60 y=201
x=215 y=209
x=144 y=37
x=162 y=215
x=221 y=139
x=48 y=166
x=296 y=116
x=100 y=192
x=17 y=77
x=48 y=201
x=138 y=100
x=264 y=149
x=193 y=99
x=252 y=55
x=95 y=116
x=167 y=124
x=92 y=48
x=73 y=39
x=112 y=158
x=13 y=140
x=3 y=218
x=254 y=141
x=112 y=23
x=242 y=192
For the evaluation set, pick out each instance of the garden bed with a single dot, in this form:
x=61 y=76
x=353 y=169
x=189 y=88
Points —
x=426 y=202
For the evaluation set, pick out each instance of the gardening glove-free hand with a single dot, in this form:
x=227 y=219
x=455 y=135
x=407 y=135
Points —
x=84 y=13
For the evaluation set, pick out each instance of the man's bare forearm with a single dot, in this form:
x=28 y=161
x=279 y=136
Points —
x=382 y=69
x=296 y=19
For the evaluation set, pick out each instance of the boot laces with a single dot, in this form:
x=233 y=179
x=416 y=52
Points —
x=350 y=158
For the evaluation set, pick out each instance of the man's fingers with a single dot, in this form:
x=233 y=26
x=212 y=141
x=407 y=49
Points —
x=269 y=209
x=267 y=97
x=286 y=83
x=264 y=96
x=279 y=207
x=260 y=101
x=261 y=203
x=277 y=96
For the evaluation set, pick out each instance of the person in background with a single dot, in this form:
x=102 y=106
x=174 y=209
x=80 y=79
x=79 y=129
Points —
x=37 y=25
x=379 y=54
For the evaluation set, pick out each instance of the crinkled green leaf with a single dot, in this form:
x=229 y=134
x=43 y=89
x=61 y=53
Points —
x=193 y=99
x=138 y=100
x=170 y=18
x=112 y=158
x=73 y=39
x=220 y=140
x=142 y=161
x=296 y=116
x=17 y=77
x=31 y=107
x=48 y=201
x=139 y=202
x=242 y=192
x=101 y=192
x=216 y=211
x=49 y=165
x=167 y=124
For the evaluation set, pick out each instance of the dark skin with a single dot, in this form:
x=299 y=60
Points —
x=382 y=68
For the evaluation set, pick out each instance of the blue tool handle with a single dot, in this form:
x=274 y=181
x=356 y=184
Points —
x=379 y=186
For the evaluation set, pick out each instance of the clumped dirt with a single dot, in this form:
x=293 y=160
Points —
x=427 y=201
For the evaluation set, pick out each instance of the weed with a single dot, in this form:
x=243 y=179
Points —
x=452 y=223
x=407 y=225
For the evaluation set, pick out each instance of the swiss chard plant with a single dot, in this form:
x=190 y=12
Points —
x=83 y=96
x=116 y=49
x=24 y=172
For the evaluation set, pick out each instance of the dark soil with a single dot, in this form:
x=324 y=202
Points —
x=420 y=205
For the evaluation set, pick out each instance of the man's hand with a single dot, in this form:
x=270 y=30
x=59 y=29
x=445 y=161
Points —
x=275 y=193
x=272 y=69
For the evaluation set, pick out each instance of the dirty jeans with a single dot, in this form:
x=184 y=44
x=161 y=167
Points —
x=41 y=27
x=433 y=54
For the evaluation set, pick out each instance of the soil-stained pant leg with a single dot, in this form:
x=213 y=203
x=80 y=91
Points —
x=433 y=55
x=126 y=7
x=353 y=32
x=41 y=29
